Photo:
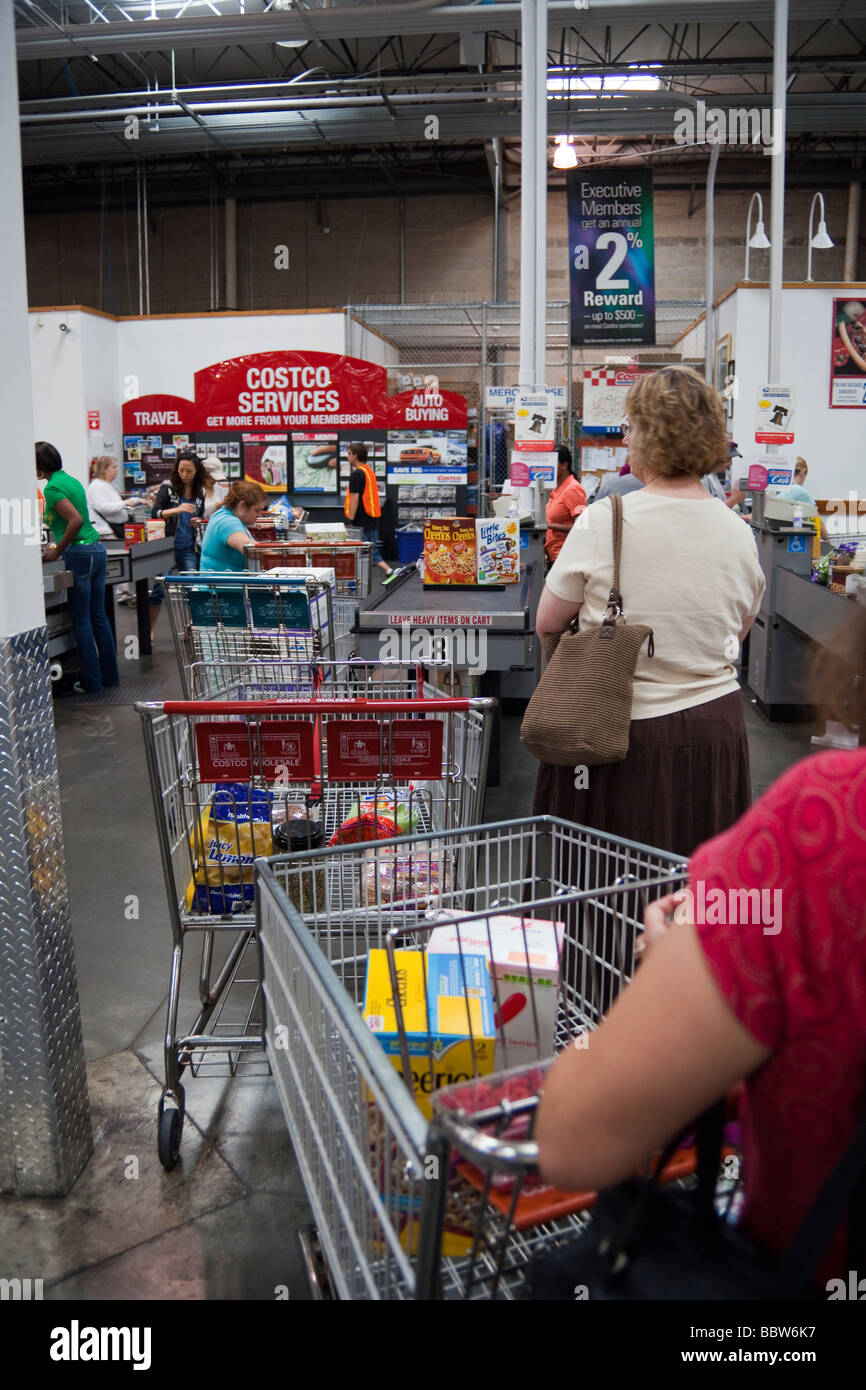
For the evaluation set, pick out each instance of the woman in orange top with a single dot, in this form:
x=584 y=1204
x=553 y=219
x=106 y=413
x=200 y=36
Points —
x=566 y=503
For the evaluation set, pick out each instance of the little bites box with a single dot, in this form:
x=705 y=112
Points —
x=437 y=1022
x=497 y=550
x=525 y=962
x=449 y=551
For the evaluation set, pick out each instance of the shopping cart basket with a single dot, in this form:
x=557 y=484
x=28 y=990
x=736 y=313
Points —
x=350 y=561
x=236 y=617
x=403 y=1206
x=254 y=678
x=225 y=775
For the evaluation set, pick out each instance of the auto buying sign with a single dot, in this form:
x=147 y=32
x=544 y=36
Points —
x=611 y=256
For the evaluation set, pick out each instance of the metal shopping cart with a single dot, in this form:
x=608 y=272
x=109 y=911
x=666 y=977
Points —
x=229 y=774
x=350 y=559
x=238 y=617
x=411 y=1200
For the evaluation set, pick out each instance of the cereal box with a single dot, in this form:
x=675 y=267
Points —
x=449 y=551
x=524 y=954
x=498 y=550
x=442 y=1015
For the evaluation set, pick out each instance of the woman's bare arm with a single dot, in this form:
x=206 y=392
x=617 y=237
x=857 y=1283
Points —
x=669 y=1047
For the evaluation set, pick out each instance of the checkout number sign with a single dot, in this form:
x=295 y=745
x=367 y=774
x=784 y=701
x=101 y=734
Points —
x=359 y=750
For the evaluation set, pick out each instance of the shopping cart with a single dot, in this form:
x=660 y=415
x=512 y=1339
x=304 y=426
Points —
x=228 y=776
x=242 y=616
x=410 y=1204
x=350 y=560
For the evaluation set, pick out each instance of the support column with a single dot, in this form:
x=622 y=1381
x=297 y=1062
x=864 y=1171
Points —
x=777 y=185
x=45 y=1135
x=852 y=231
x=231 y=215
x=533 y=194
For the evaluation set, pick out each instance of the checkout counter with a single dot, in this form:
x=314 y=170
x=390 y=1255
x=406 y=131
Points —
x=505 y=614
x=793 y=613
x=134 y=566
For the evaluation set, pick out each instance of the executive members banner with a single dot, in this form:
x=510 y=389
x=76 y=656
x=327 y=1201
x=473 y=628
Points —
x=611 y=256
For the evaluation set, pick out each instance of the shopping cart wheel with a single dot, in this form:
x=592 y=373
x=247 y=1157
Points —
x=169 y=1130
x=315 y=1264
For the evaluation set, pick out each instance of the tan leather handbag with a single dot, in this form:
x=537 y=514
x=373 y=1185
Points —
x=580 y=712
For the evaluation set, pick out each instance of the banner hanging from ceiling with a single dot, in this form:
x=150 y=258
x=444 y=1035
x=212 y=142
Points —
x=611 y=256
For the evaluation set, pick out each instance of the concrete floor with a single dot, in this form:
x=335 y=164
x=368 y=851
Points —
x=223 y=1224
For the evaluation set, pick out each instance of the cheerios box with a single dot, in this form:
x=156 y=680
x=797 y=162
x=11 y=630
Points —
x=524 y=954
x=445 y=1022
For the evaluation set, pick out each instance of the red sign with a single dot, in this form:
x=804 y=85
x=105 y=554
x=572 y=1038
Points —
x=416 y=748
x=93 y=419
x=287 y=750
x=354 y=750
x=764 y=437
x=224 y=752
x=235 y=751
x=294 y=390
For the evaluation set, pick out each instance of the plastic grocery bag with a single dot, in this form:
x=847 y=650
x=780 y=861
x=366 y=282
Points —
x=233 y=831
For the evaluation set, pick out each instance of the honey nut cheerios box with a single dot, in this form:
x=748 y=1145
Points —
x=449 y=551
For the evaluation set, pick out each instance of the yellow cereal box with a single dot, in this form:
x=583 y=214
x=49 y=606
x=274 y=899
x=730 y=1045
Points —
x=442 y=1023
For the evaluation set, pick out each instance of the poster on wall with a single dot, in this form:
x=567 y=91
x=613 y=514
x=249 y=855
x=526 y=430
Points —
x=611 y=255
x=420 y=457
x=266 y=461
x=315 y=460
x=605 y=392
x=848 y=361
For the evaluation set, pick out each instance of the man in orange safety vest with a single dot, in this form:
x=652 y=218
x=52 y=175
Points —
x=362 y=500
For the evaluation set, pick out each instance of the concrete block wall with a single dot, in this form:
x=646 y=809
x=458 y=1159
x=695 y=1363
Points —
x=448 y=251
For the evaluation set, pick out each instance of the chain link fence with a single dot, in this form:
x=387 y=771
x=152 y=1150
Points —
x=470 y=347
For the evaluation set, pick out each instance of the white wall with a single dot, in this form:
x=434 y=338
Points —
x=101 y=386
x=833 y=442
x=164 y=354
x=58 y=386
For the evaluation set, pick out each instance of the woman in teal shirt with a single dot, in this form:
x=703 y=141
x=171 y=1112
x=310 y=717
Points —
x=226 y=533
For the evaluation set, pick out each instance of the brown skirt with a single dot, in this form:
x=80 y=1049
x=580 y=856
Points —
x=684 y=780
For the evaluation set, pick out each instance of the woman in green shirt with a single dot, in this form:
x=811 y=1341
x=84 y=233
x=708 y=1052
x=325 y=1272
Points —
x=76 y=539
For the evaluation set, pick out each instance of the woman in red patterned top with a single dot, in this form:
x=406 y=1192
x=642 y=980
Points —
x=756 y=973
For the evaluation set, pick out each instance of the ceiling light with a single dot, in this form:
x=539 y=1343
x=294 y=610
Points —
x=564 y=156
x=573 y=86
x=292 y=43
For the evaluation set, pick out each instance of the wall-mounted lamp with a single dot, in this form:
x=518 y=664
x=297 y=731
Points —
x=821 y=239
x=758 y=241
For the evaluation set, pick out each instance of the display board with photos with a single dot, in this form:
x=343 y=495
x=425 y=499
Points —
x=377 y=459
x=425 y=457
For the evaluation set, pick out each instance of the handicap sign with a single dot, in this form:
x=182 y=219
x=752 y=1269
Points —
x=797 y=545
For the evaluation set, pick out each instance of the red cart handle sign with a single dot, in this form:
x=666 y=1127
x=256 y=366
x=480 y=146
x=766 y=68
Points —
x=360 y=750
x=237 y=751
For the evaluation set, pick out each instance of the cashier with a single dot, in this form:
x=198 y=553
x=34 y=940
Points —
x=227 y=537
x=566 y=503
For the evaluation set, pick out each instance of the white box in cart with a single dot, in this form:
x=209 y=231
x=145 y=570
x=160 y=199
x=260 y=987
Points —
x=525 y=950
x=325 y=575
x=323 y=531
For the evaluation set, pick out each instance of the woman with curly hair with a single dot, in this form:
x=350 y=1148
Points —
x=690 y=571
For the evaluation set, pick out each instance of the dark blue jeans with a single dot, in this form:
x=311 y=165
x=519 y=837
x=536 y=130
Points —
x=97 y=657
x=185 y=558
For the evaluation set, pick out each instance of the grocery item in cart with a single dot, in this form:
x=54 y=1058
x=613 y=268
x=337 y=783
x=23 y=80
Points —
x=524 y=953
x=498 y=550
x=419 y=877
x=449 y=551
x=233 y=831
x=378 y=817
x=449 y=1033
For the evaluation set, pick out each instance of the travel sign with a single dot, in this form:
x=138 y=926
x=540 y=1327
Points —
x=611 y=256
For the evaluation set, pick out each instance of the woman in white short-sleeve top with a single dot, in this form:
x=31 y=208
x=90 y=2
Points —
x=690 y=571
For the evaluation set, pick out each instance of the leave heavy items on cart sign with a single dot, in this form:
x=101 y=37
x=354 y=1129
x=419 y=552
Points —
x=242 y=616
x=228 y=772
x=411 y=1202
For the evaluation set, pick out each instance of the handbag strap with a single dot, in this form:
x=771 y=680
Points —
x=616 y=519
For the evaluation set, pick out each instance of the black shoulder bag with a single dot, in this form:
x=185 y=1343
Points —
x=647 y=1242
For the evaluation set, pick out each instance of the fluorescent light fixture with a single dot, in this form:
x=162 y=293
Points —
x=574 y=86
x=564 y=156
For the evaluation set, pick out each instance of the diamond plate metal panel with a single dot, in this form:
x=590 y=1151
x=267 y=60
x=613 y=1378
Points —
x=45 y=1134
